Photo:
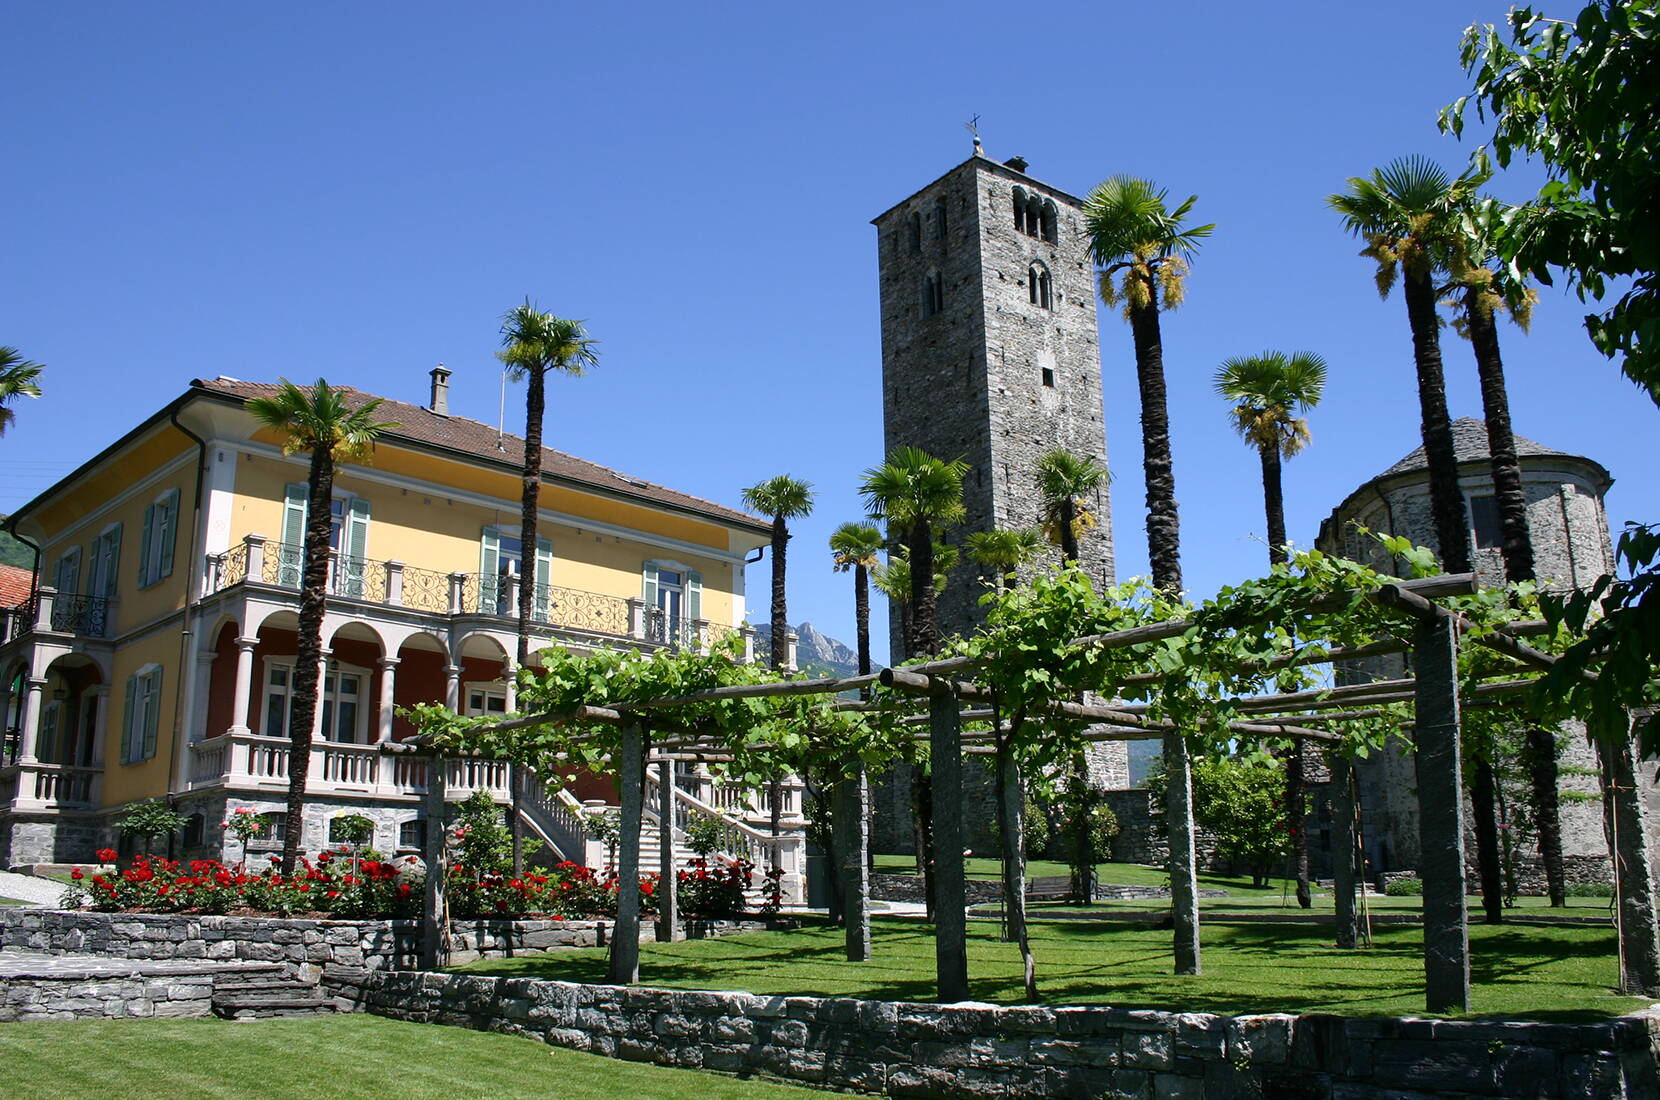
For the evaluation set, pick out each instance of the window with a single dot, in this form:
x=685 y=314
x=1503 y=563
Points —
x=142 y=716
x=913 y=226
x=348 y=541
x=933 y=294
x=106 y=556
x=1020 y=209
x=155 y=553
x=46 y=740
x=195 y=831
x=412 y=834
x=501 y=557
x=1038 y=288
x=1035 y=215
x=1049 y=377
x=1049 y=218
x=1484 y=519
x=345 y=717
x=674 y=598
x=486 y=699
x=939 y=219
x=67 y=580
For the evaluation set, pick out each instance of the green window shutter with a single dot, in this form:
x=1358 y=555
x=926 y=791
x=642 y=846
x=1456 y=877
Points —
x=145 y=541
x=152 y=712
x=291 y=554
x=694 y=596
x=649 y=584
x=169 y=534
x=69 y=572
x=489 y=562
x=46 y=744
x=544 y=577
x=356 y=543
x=129 y=718
x=112 y=548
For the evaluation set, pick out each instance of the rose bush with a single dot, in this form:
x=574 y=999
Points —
x=330 y=886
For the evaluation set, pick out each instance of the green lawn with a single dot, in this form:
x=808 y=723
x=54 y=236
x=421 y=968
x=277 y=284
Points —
x=12 y=901
x=1556 y=972
x=329 y=1056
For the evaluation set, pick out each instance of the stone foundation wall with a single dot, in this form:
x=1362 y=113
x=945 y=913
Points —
x=923 y=1050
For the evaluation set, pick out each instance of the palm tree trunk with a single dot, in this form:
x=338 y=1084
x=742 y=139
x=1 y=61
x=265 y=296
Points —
x=1518 y=566
x=775 y=659
x=1011 y=826
x=861 y=615
x=529 y=515
x=1163 y=528
x=1623 y=814
x=924 y=640
x=1452 y=527
x=1273 y=499
x=1069 y=534
x=308 y=647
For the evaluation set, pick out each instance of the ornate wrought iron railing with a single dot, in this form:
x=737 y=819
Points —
x=426 y=590
x=564 y=608
x=86 y=615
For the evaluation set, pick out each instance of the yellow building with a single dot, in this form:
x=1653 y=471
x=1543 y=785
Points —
x=155 y=655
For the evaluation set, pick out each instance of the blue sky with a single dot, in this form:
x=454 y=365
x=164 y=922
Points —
x=359 y=191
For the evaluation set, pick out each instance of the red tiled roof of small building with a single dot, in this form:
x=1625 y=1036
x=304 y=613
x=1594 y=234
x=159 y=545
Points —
x=15 y=585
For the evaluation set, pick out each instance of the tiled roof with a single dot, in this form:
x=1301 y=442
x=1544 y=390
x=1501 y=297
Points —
x=15 y=585
x=1469 y=444
x=419 y=424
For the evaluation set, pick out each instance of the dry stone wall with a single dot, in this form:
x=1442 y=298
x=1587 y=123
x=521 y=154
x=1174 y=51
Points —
x=925 y=1050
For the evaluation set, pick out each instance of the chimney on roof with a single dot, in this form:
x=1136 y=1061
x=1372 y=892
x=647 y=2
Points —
x=440 y=390
x=1017 y=163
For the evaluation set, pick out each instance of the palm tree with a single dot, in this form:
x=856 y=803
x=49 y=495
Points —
x=319 y=422
x=1409 y=213
x=917 y=494
x=1144 y=249
x=1003 y=551
x=1479 y=288
x=1267 y=392
x=17 y=377
x=783 y=498
x=893 y=579
x=1066 y=482
x=857 y=547
x=533 y=344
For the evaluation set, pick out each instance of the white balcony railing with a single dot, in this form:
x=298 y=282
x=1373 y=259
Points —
x=251 y=762
x=40 y=786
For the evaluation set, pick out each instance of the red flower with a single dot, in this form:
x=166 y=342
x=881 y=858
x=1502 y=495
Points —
x=106 y=855
x=76 y=874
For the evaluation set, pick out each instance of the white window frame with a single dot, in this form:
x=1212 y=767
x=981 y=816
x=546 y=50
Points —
x=359 y=735
x=489 y=689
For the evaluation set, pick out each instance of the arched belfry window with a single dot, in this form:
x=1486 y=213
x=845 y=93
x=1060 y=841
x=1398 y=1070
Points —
x=1020 y=209
x=1039 y=289
x=933 y=294
x=914 y=231
x=1050 y=216
x=939 y=219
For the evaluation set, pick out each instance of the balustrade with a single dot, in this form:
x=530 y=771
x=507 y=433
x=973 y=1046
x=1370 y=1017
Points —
x=50 y=786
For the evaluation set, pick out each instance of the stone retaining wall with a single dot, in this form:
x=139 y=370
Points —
x=922 y=1050
x=48 y=997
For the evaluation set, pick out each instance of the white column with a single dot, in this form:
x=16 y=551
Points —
x=510 y=675
x=31 y=720
x=388 y=680
x=244 y=684
x=452 y=688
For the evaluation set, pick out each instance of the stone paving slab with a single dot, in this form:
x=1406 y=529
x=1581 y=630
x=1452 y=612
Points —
x=15 y=963
x=30 y=889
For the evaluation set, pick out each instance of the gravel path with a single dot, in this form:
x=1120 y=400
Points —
x=38 y=892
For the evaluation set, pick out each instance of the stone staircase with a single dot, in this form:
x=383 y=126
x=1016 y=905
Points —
x=251 y=994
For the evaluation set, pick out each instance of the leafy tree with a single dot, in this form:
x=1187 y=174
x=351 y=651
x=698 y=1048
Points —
x=1240 y=801
x=1066 y=482
x=1409 y=212
x=1268 y=391
x=147 y=820
x=535 y=344
x=1144 y=248
x=1584 y=98
x=320 y=423
x=18 y=378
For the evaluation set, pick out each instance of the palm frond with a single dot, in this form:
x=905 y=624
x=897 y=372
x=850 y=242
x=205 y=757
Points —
x=782 y=497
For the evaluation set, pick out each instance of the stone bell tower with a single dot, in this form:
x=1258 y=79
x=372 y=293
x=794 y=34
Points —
x=990 y=352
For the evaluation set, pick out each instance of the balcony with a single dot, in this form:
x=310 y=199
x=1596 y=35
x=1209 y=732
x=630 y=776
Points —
x=50 y=611
x=393 y=584
x=250 y=762
x=36 y=786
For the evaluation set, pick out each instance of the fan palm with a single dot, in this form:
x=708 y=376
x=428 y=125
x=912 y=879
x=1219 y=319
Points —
x=1003 y=551
x=1066 y=482
x=1409 y=213
x=858 y=547
x=1268 y=391
x=319 y=422
x=917 y=493
x=17 y=378
x=1479 y=288
x=1144 y=249
x=783 y=498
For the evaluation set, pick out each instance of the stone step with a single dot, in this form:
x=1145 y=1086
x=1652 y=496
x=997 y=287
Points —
x=274 y=1003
